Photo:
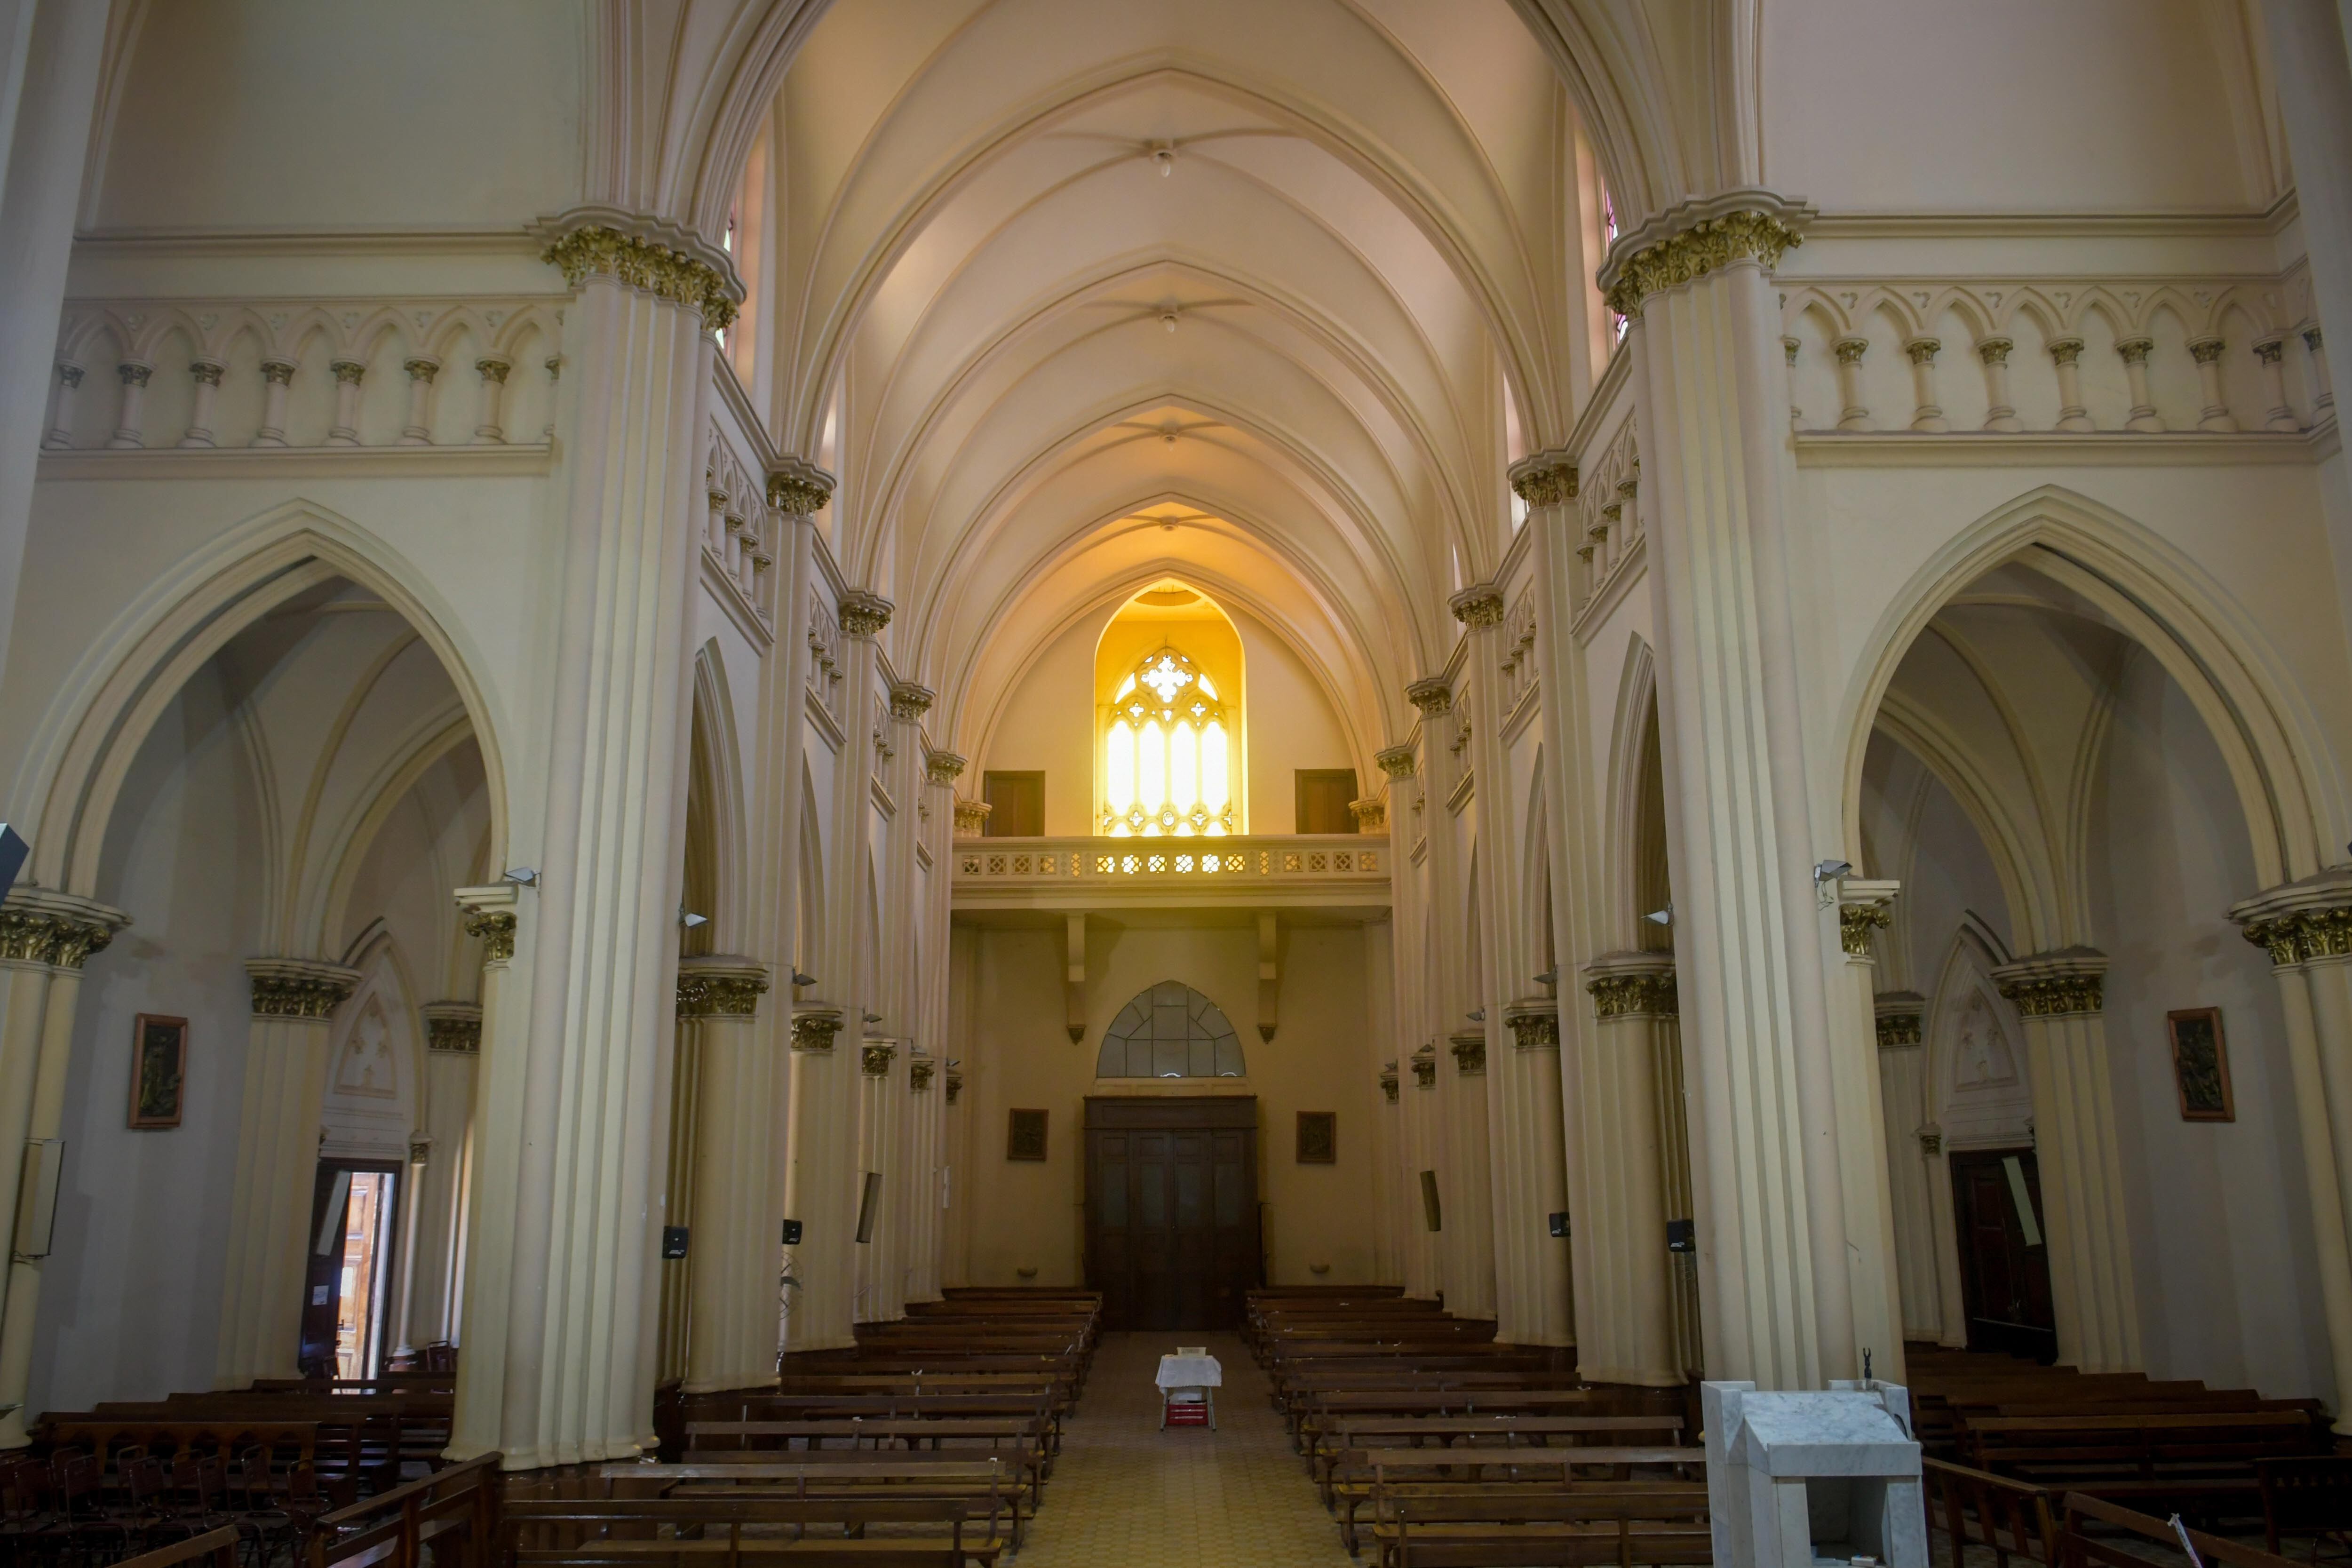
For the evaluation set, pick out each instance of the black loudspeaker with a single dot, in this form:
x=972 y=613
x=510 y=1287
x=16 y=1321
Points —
x=1560 y=1224
x=869 y=1206
x=13 y=851
x=1430 y=1213
x=792 y=1233
x=1682 y=1236
x=673 y=1241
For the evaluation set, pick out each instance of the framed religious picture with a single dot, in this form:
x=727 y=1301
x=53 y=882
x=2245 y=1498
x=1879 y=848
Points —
x=1024 y=1135
x=2200 y=1065
x=159 y=1070
x=1318 y=1138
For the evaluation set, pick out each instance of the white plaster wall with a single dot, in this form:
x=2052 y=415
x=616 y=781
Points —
x=292 y=113
x=131 y=1306
x=2221 y=1224
x=2011 y=105
x=1025 y=1214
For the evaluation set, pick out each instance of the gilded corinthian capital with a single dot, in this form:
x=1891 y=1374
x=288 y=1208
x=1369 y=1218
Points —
x=2064 y=983
x=1690 y=240
x=864 y=614
x=299 y=987
x=652 y=255
x=1543 y=479
x=1478 y=606
x=798 y=488
x=1430 y=694
x=909 y=701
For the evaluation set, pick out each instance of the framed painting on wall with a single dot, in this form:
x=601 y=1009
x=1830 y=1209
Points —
x=1024 y=1135
x=1318 y=1138
x=2200 y=1065
x=159 y=1070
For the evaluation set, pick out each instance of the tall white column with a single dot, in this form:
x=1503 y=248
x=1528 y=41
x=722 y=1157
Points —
x=46 y=141
x=1872 y=1280
x=1536 y=1138
x=928 y=1110
x=900 y=992
x=2306 y=928
x=1750 y=943
x=58 y=933
x=294 y=1003
x=824 y=1181
x=1415 y=1151
x=1896 y=1018
x=575 y=1304
x=1626 y=1329
x=453 y=1056
x=2061 y=996
x=881 y=1115
x=1379 y=1046
x=482 y=1275
x=1465 y=1183
x=733 y=1225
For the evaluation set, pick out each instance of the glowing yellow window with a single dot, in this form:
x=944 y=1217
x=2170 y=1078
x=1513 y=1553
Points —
x=1166 y=754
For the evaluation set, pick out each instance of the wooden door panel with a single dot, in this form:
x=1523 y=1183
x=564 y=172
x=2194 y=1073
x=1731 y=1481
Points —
x=1172 y=1210
x=2004 y=1271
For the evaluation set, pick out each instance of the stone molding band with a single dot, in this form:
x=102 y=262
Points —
x=1691 y=240
x=298 y=988
x=597 y=242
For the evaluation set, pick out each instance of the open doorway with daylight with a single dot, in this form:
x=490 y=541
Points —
x=353 y=1218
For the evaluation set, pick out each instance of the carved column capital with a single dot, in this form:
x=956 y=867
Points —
x=719 y=985
x=1477 y=606
x=970 y=817
x=864 y=614
x=1430 y=695
x=1900 y=1015
x=2068 y=982
x=1534 y=1026
x=1469 y=1050
x=943 y=767
x=874 y=1056
x=1543 y=479
x=652 y=255
x=814 y=1026
x=798 y=488
x=1632 y=985
x=1865 y=905
x=909 y=701
x=919 y=1068
x=1690 y=240
x=1371 y=815
x=1396 y=761
x=2300 y=922
x=299 y=987
x=1389 y=1081
x=490 y=915
x=62 y=930
x=955 y=1085
x=455 y=1027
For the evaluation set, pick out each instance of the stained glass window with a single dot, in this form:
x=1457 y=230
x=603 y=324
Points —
x=1171 y=1031
x=1167 y=753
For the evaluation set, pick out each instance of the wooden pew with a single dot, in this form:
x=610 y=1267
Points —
x=1022 y=1438
x=2013 y=1518
x=805 y=1478
x=2079 y=1549
x=647 y=1532
x=2191 y=1463
x=1503 y=1526
x=1361 y=1474
x=1459 y=1433
x=449 y=1519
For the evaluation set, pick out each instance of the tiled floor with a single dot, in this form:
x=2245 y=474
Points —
x=1127 y=1494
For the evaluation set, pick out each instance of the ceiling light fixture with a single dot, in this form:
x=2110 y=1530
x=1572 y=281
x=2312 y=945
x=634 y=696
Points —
x=1166 y=158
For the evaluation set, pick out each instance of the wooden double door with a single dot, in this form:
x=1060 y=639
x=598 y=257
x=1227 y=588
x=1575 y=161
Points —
x=2005 y=1257
x=1172 y=1210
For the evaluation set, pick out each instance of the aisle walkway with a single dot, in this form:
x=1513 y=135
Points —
x=1127 y=1494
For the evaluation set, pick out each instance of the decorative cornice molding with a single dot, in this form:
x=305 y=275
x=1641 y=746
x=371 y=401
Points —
x=864 y=614
x=1430 y=694
x=1633 y=985
x=798 y=488
x=720 y=986
x=1543 y=479
x=1534 y=1026
x=1395 y=760
x=814 y=1028
x=874 y=1057
x=1900 y=1015
x=2068 y=983
x=1469 y=1053
x=1477 y=606
x=299 y=987
x=455 y=1027
x=1694 y=238
x=909 y=701
x=943 y=767
x=649 y=254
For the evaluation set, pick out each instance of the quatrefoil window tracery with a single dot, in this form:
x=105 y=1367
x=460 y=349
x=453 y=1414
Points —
x=1167 y=753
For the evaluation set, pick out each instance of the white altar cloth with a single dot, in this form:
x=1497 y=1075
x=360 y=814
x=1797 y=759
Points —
x=1189 y=1372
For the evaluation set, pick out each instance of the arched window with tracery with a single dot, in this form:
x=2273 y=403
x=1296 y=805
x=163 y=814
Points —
x=1170 y=1030
x=1167 y=755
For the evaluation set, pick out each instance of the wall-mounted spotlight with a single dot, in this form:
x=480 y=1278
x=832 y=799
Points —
x=800 y=979
x=521 y=876
x=1549 y=976
x=688 y=919
x=1479 y=1017
x=1664 y=917
x=872 y=1018
x=1830 y=870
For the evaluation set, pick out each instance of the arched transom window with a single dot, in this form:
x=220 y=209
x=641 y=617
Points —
x=1171 y=1031
x=1167 y=753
